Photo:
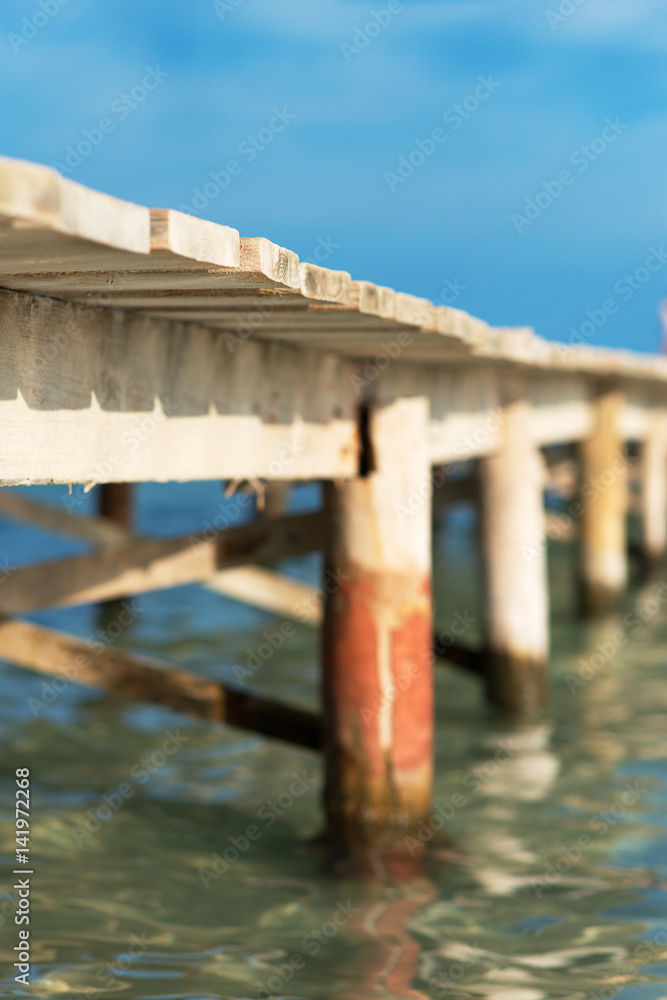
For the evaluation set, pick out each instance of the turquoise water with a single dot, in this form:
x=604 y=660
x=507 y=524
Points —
x=552 y=882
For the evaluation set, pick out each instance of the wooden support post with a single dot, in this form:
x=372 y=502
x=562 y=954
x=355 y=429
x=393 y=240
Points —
x=603 y=546
x=377 y=641
x=654 y=493
x=115 y=506
x=513 y=559
x=276 y=498
x=116 y=503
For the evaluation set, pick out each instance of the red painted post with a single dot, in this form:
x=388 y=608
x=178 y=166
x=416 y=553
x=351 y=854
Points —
x=377 y=643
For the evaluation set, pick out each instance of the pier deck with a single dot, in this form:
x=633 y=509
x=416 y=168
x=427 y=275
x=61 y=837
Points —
x=146 y=345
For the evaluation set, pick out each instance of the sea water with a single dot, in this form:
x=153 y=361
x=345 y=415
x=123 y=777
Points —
x=203 y=878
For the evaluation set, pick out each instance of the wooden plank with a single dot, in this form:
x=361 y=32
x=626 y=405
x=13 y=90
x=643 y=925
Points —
x=99 y=531
x=264 y=588
x=62 y=239
x=138 y=566
x=36 y=201
x=194 y=240
x=255 y=585
x=148 y=400
x=141 y=678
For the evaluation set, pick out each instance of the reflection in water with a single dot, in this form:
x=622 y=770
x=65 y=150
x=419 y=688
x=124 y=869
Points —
x=547 y=870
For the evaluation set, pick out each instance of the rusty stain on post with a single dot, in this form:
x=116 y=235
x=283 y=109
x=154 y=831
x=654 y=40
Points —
x=377 y=643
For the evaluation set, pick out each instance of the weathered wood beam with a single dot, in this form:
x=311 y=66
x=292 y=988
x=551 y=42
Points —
x=513 y=557
x=603 y=558
x=376 y=639
x=150 y=400
x=471 y=660
x=96 y=530
x=142 y=679
x=142 y=565
x=255 y=585
x=264 y=588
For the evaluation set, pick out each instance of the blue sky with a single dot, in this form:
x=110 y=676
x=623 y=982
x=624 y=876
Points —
x=326 y=176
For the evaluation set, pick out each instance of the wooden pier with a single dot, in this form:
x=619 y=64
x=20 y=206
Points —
x=146 y=345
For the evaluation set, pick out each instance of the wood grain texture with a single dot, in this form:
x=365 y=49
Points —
x=37 y=200
x=61 y=239
x=102 y=396
x=141 y=678
x=141 y=565
x=174 y=233
x=255 y=585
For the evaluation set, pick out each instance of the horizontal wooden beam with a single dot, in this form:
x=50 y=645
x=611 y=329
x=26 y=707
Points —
x=255 y=585
x=97 y=530
x=264 y=588
x=154 y=400
x=142 y=565
x=468 y=659
x=151 y=400
x=140 y=678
